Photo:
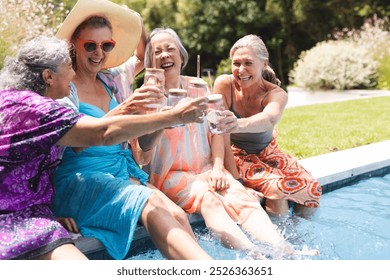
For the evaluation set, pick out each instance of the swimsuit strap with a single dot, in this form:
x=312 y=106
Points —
x=106 y=86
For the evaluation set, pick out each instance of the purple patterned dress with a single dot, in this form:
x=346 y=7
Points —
x=30 y=127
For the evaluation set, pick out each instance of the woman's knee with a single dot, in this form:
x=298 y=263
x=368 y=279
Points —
x=64 y=252
x=155 y=198
x=154 y=202
x=157 y=204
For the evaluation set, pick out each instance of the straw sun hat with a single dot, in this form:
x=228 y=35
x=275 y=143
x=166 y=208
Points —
x=126 y=26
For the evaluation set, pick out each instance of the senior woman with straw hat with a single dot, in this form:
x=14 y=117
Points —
x=126 y=26
x=102 y=188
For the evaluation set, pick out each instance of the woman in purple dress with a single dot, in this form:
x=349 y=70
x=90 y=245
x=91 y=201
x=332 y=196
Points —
x=34 y=127
x=31 y=125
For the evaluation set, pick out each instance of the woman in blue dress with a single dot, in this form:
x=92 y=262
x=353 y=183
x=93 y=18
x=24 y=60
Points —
x=102 y=188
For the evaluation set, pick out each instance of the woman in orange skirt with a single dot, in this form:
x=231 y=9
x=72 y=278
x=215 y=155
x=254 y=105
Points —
x=256 y=104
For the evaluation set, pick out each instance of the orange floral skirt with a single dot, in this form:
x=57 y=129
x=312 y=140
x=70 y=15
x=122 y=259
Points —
x=277 y=175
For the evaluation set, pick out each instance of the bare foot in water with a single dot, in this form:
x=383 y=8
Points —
x=304 y=252
x=313 y=252
x=256 y=255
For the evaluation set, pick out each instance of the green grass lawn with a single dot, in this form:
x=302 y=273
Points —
x=318 y=129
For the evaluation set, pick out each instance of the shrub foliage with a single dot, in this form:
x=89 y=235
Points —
x=355 y=59
x=335 y=65
x=21 y=20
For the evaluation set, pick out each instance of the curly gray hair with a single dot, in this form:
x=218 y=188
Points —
x=24 y=72
x=170 y=31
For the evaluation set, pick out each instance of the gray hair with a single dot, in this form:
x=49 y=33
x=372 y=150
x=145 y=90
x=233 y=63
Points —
x=24 y=72
x=170 y=31
x=257 y=45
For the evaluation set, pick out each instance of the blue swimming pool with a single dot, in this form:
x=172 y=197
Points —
x=352 y=223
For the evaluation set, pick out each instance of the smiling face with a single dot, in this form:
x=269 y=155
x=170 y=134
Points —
x=167 y=54
x=246 y=66
x=59 y=82
x=91 y=61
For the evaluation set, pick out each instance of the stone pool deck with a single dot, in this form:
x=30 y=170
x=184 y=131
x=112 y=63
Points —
x=338 y=167
x=302 y=97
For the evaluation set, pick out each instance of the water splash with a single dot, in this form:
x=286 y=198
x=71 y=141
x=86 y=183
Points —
x=352 y=223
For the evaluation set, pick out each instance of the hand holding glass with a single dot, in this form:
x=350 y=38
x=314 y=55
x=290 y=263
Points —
x=174 y=97
x=215 y=104
x=155 y=76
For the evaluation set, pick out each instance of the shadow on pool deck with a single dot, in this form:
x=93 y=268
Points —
x=332 y=170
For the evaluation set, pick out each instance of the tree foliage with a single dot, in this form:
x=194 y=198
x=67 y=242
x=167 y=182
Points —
x=213 y=26
x=288 y=27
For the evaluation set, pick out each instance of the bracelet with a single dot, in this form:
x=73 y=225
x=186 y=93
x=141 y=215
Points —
x=241 y=180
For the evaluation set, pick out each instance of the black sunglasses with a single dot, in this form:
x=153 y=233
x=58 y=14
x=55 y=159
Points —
x=91 y=45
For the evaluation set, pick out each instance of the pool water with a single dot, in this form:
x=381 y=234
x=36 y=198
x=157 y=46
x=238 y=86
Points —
x=352 y=223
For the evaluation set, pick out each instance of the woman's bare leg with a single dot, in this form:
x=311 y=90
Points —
x=220 y=223
x=176 y=211
x=304 y=211
x=276 y=207
x=169 y=236
x=64 y=252
x=279 y=207
x=261 y=228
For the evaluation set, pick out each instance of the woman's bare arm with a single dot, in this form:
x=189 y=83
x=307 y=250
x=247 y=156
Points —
x=274 y=103
x=90 y=131
x=229 y=161
x=266 y=120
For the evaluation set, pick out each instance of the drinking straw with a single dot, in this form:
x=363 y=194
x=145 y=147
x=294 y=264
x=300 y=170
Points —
x=211 y=81
x=198 y=66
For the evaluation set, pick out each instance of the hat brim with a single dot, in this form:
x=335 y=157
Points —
x=126 y=27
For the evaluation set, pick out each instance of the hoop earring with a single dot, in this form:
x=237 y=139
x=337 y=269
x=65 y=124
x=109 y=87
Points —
x=72 y=50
